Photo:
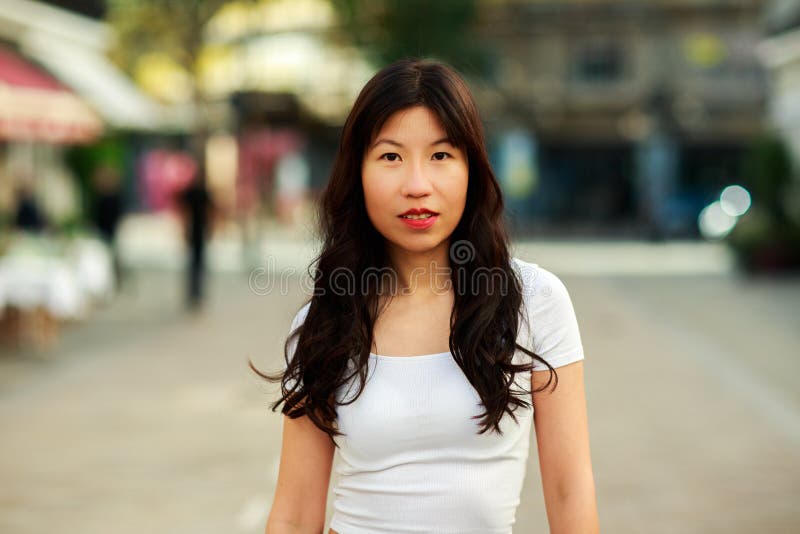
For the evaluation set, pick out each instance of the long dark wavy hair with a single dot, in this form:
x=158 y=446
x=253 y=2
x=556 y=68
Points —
x=334 y=342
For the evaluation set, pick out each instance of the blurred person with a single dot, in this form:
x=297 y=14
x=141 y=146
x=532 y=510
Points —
x=292 y=175
x=28 y=312
x=197 y=207
x=437 y=431
x=28 y=217
x=107 y=210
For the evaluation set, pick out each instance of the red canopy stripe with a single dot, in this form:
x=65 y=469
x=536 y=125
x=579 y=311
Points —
x=34 y=106
x=21 y=73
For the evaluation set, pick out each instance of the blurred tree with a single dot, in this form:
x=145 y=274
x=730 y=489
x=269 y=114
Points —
x=765 y=238
x=388 y=30
x=768 y=168
x=164 y=28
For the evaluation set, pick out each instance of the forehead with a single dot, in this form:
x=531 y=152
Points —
x=417 y=121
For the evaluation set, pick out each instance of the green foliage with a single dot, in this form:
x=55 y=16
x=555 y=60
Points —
x=173 y=27
x=385 y=30
x=765 y=238
x=768 y=169
x=83 y=161
x=388 y=30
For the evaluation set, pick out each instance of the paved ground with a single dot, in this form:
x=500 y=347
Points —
x=147 y=419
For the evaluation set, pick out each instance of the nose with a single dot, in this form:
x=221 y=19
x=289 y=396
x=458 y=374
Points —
x=416 y=183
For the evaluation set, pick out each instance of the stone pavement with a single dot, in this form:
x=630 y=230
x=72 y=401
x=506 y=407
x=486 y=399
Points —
x=147 y=420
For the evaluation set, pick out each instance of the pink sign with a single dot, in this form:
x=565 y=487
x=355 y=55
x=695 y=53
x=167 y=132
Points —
x=164 y=174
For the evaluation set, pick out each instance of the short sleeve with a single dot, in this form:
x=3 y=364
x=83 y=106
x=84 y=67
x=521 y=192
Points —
x=298 y=320
x=554 y=334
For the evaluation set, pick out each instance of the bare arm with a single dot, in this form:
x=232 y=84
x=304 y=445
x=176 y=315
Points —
x=302 y=489
x=562 y=436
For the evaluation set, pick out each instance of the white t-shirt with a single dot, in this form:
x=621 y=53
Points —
x=411 y=459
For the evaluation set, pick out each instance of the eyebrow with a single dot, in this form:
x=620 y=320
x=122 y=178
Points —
x=400 y=145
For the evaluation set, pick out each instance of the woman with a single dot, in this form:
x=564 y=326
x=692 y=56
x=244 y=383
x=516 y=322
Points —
x=425 y=344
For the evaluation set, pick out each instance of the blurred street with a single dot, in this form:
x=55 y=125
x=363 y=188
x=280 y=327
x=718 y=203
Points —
x=146 y=419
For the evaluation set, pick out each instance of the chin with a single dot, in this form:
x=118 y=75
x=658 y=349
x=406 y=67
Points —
x=418 y=243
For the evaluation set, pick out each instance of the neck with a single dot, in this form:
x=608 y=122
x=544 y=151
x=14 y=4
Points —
x=422 y=274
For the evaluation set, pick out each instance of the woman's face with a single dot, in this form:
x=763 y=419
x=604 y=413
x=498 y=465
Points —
x=411 y=165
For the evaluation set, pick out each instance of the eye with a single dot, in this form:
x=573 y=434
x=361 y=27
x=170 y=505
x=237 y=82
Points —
x=391 y=156
x=441 y=156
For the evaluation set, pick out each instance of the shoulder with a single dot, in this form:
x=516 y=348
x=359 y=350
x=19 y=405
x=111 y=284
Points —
x=538 y=282
x=300 y=316
x=550 y=325
x=292 y=339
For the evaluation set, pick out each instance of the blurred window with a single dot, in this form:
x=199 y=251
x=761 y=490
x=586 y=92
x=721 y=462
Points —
x=598 y=60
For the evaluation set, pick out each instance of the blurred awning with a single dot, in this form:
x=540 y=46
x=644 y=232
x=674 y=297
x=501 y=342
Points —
x=91 y=74
x=73 y=49
x=34 y=106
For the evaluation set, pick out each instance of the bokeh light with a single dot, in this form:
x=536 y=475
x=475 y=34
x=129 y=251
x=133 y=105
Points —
x=735 y=200
x=714 y=222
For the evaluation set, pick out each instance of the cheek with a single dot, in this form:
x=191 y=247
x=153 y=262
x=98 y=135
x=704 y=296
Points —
x=375 y=195
x=372 y=193
x=458 y=193
x=366 y=185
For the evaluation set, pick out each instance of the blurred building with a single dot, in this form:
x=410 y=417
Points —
x=637 y=113
x=780 y=52
x=604 y=117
